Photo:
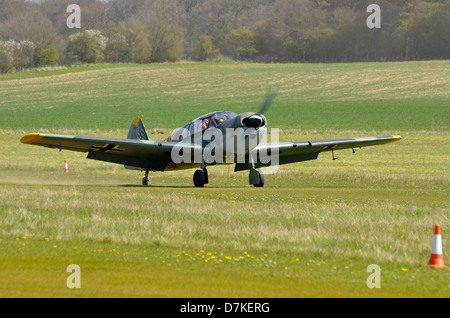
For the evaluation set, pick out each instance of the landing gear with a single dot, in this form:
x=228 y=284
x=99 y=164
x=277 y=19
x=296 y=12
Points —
x=201 y=176
x=256 y=178
x=261 y=180
x=145 y=179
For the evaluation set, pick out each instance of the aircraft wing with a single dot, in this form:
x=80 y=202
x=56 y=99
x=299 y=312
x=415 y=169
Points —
x=142 y=154
x=290 y=152
x=156 y=156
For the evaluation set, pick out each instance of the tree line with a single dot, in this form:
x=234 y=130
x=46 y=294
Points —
x=34 y=34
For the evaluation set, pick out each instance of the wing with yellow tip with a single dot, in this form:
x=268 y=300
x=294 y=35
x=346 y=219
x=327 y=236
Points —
x=141 y=154
x=290 y=152
x=31 y=138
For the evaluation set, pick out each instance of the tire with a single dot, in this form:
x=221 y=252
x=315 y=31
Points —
x=199 y=178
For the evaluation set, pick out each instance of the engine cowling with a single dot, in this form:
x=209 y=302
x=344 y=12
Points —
x=253 y=120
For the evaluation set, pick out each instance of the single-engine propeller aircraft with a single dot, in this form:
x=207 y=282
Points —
x=221 y=137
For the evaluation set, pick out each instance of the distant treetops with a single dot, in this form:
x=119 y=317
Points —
x=36 y=34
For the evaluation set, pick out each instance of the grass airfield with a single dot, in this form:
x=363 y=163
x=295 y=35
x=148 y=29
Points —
x=312 y=231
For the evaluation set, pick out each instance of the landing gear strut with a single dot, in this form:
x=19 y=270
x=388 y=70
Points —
x=145 y=179
x=201 y=176
x=255 y=177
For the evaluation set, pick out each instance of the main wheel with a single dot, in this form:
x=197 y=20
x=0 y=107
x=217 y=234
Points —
x=145 y=181
x=261 y=180
x=199 y=178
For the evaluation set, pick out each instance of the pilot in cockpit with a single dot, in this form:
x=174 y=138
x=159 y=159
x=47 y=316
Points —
x=205 y=123
x=215 y=122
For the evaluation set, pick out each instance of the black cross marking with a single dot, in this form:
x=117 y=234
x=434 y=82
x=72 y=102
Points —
x=107 y=147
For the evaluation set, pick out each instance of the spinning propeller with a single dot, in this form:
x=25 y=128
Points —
x=257 y=120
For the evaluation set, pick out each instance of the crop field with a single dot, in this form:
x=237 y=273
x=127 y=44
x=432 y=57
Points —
x=312 y=231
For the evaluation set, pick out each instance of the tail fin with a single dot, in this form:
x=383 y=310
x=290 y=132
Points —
x=137 y=130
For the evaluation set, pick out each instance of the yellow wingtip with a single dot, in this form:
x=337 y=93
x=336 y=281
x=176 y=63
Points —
x=136 y=120
x=31 y=138
x=396 y=138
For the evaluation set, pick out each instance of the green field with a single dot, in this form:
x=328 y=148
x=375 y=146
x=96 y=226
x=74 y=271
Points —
x=312 y=231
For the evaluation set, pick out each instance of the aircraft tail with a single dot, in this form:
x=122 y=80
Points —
x=137 y=130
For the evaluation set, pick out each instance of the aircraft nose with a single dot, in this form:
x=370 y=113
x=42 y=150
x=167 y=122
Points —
x=254 y=121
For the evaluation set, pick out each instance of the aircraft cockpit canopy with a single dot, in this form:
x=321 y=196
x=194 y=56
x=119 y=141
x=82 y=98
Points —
x=211 y=120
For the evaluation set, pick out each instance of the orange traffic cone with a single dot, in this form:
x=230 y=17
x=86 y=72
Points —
x=436 y=259
x=66 y=167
